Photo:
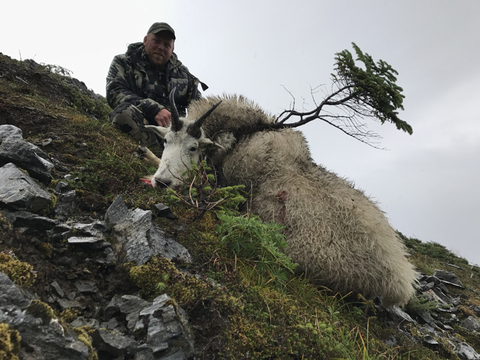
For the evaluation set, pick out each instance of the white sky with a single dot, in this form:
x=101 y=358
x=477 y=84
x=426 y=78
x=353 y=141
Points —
x=427 y=183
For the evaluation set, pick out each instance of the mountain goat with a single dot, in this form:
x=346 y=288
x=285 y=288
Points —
x=340 y=238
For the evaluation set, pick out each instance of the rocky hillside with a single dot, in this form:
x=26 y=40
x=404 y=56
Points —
x=96 y=265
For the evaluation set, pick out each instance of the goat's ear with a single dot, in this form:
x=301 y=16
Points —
x=204 y=142
x=159 y=130
x=209 y=143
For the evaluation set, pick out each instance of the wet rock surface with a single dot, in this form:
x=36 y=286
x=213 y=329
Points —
x=14 y=149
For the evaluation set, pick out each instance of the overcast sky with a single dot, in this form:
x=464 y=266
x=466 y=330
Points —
x=427 y=183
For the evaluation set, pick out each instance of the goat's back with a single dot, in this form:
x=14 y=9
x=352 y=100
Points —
x=337 y=234
x=235 y=114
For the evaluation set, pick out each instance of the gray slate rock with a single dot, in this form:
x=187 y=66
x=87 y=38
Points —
x=168 y=335
x=466 y=352
x=399 y=315
x=18 y=191
x=42 y=338
x=14 y=149
x=10 y=294
x=470 y=323
x=141 y=239
x=448 y=278
x=29 y=220
x=128 y=305
x=66 y=204
x=113 y=342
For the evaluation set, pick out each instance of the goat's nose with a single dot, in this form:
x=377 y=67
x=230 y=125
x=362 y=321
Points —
x=163 y=183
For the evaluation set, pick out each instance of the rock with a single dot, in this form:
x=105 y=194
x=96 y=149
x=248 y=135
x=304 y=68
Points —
x=167 y=247
x=68 y=303
x=85 y=240
x=167 y=330
x=470 y=323
x=466 y=352
x=140 y=239
x=117 y=212
x=59 y=232
x=95 y=229
x=113 y=343
x=13 y=149
x=399 y=315
x=426 y=317
x=448 y=278
x=162 y=210
x=58 y=289
x=128 y=305
x=31 y=221
x=86 y=286
x=66 y=204
x=81 y=321
x=429 y=340
x=50 y=341
x=18 y=191
x=43 y=338
x=10 y=294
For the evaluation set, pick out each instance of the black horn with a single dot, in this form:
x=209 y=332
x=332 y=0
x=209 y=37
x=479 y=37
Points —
x=175 y=117
x=194 y=129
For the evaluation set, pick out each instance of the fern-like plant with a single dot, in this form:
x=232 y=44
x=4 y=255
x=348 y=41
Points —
x=259 y=243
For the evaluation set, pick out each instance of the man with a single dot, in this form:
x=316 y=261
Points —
x=139 y=83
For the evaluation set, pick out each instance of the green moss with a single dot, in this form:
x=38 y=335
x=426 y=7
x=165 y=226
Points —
x=160 y=276
x=18 y=271
x=41 y=310
x=68 y=315
x=4 y=222
x=147 y=276
x=46 y=248
x=82 y=333
x=9 y=342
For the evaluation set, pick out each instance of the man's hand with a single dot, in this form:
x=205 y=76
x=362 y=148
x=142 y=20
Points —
x=163 y=118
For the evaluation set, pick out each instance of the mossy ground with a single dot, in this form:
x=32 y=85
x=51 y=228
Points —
x=236 y=312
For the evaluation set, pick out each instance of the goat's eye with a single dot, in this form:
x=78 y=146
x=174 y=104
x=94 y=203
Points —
x=192 y=149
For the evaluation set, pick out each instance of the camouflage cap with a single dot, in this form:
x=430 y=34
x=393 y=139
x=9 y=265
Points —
x=161 y=26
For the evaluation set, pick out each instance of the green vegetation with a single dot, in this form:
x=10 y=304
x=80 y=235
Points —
x=371 y=86
x=259 y=243
x=9 y=342
x=18 y=271
x=41 y=310
x=202 y=193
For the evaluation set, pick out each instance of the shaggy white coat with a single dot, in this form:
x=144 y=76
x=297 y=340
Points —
x=334 y=231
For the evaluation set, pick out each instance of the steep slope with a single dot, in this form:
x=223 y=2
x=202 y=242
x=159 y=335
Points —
x=233 y=309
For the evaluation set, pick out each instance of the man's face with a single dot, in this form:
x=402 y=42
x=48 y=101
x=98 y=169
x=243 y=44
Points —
x=159 y=47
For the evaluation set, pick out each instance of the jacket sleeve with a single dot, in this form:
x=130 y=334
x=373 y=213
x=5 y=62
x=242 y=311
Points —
x=121 y=88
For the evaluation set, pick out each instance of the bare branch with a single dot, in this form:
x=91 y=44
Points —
x=357 y=93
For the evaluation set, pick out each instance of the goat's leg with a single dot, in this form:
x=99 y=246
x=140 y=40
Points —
x=150 y=156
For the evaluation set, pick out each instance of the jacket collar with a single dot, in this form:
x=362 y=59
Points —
x=136 y=52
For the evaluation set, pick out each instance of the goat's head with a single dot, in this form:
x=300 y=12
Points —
x=184 y=142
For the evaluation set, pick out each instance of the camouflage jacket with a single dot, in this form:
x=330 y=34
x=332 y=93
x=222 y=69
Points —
x=134 y=79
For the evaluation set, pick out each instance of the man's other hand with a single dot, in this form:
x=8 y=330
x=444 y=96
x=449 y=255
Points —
x=163 y=118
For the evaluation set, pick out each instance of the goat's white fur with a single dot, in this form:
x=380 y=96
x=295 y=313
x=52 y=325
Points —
x=334 y=231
